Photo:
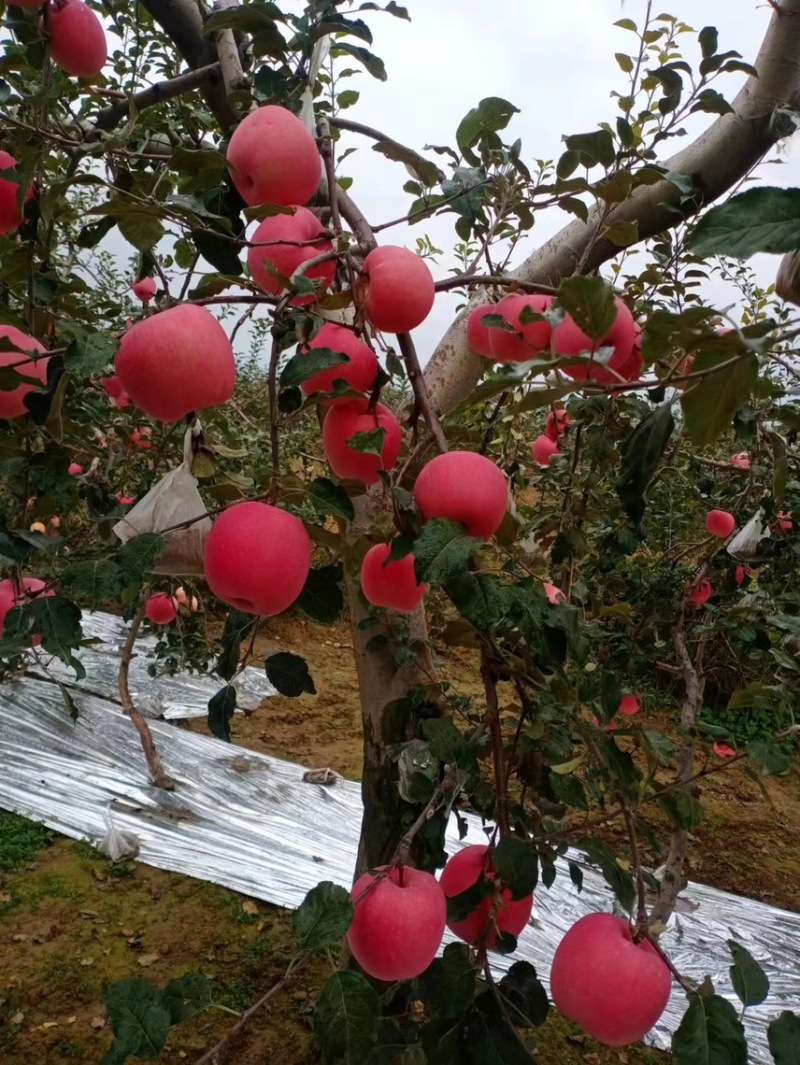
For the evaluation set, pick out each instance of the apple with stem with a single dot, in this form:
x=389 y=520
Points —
x=257 y=558
x=613 y=987
x=346 y=420
x=491 y=915
x=144 y=289
x=397 y=928
x=392 y=585
x=465 y=487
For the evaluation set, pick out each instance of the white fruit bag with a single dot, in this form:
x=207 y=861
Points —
x=744 y=545
x=117 y=844
x=172 y=501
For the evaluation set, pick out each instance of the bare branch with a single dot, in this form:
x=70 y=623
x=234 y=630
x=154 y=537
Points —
x=158 y=94
x=417 y=381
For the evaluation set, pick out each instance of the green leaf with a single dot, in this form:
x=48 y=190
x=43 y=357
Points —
x=139 y=1017
x=641 y=455
x=323 y=917
x=372 y=63
x=593 y=148
x=55 y=619
x=620 y=881
x=568 y=789
x=448 y=744
x=289 y=674
x=769 y=757
x=306 y=364
x=238 y=627
x=137 y=555
x=505 y=943
x=765 y=219
x=784 y=1038
x=491 y=115
x=448 y=985
x=483 y=599
x=221 y=707
x=658 y=746
x=709 y=41
x=460 y=906
x=590 y=302
x=322 y=597
x=427 y=172
x=139 y=224
x=94 y=583
x=339 y=24
x=682 y=809
x=368 y=443
x=489 y=1039
x=442 y=551
x=525 y=996
x=515 y=862
x=710 y=1033
x=346 y=1019
x=710 y=404
x=250 y=18
x=329 y=498
x=749 y=980
x=187 y=996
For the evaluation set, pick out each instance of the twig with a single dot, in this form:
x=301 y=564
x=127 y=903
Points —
x=294 y=967
x=641 y=891
x=651 y=939
x=493 y=720
x=157 y=774
x=272 y=391
x=420 y=389
x=503 y=280
x=157 y=94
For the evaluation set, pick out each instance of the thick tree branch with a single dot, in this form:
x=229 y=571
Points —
x=158 y=93
x=716 y=161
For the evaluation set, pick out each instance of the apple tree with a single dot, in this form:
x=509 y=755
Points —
x=589 y=485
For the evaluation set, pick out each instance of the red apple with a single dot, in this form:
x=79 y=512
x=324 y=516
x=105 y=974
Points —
x=463 y=486
x=783 y=521
x=396 y=289
x=123 y=500
x=141 y=438
x=144 y=289
x=358 y=374
x=275 y=244
x=556 y=424
x=15 y=593
x=161 y=608
x=720 y=523
x=345 y=420
x=12 y=402
x=553 y=594
x=614 y=988
x=397 y=928
x=479 y=335
x=257 y=558
x=112 y=386
x=274 y=158
x=463 y=870
x=701 y=593
x=75 y=469
x=630 y=705
x=543 y=449
x=527 y=341
x=77 y=38
x=570 y=340
x=177 y=361
x=741 y=461
x=10 y=213
x=723 y=750
x=394 y=585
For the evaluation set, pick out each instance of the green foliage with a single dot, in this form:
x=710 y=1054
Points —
x=710 y=1033
x=20 y=840
x=765 y=219
x=141 y=1014
x=323 y=917
x=346 y=1019
x=749 y=980
x=289 y=674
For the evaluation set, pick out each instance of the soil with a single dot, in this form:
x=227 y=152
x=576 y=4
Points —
x=71 y=923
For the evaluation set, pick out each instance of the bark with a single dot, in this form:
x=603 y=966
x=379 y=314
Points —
x=716 y=161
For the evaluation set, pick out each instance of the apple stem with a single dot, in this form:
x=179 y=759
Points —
x=653 y=941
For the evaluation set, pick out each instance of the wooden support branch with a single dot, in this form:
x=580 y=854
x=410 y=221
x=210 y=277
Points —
x=158 y=94
x=157 y=774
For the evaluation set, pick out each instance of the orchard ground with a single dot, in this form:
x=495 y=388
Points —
x=71 y=923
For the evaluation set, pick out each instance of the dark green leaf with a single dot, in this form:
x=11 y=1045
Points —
x=427 y=172
x=764 y=219
x=491 y=115
x=483 y=599
x=620 y=881
x=568 y=789
x=368 y=443
x=576 y=875
x=784 y=1038
x=442 y=551
x=771 y=758
x=187 y=996
x=460 y=906
x=323 y=917
x=95 y=583
x=709 y=1034
x=136 y=556
x=682 y=809
x=238 y=627
x=525 y=996
x=346 y=1019
x=710 y=404
x=372 y=63
x=322 y=598
x=329 y=498
x=590 y=302
x=592 y=148
x=139 y=1017
x=448 y=986
x=448 y=744
x=749 y=980
x=505 y=943
x=709 y=41
x=220 y=711
x=307 y=364
x=289 y=674
x=488 y=1038
x=515 y=862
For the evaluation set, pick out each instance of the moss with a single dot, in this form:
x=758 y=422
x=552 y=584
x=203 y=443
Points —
x=20 y=840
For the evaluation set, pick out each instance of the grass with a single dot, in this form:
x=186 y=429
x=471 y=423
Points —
x=20 y=840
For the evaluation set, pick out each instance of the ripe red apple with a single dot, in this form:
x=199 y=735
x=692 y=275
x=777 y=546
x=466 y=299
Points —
x=463 y=486
x=77 y=38
x=553 y=594
x=723 y=750
x=10 y=213
x=345 y=420
x=112 y=386
x=393 y=586
x=75 y=469
x=396 y=289
x=274 y=158
x=144 y=289
x=543 y=449
x=123 y=500
x=615 y=989
x=556 y=424
x=140 y=438
x=570 y=340
x=358 y=374
x=15 y=593
x=257 y=558
x=12 y=402
x=741 y=461
x=397 y=928
x=479 y=335
x=161 y=608
x=267 y=248
x=463 y=870
x=630 y=705
x=176 y=361
x=701 y=593
x=527 y=341
x=720 y=523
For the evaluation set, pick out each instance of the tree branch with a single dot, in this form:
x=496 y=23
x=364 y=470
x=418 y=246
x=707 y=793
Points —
x=716 y=161
x=157 y=94
x=417 y=381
